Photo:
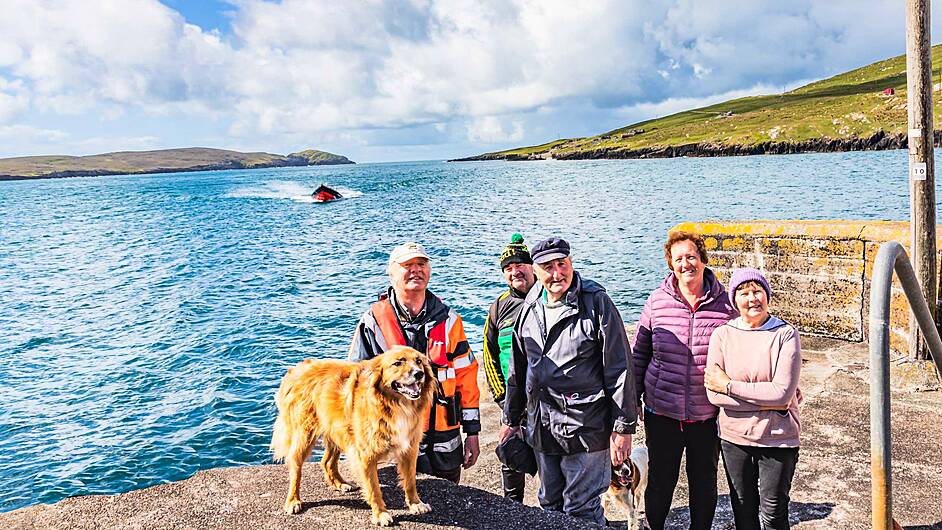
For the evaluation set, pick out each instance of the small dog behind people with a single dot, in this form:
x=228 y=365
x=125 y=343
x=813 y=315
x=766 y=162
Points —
x=626 y=490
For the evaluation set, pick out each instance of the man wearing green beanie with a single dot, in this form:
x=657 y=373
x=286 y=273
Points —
x=517 y=268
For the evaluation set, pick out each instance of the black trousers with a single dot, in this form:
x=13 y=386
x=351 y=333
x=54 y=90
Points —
x=453 y=475
x=760 y=479
x=513 y=483
x=444 y=463
x=667 y=440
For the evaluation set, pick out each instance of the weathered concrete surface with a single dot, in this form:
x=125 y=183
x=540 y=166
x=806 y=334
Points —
x=251 y=498
x=831 y=489
x=820 y=271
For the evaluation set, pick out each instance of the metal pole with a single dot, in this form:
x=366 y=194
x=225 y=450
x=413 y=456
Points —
x=891 y=257
x=921 y=159
x=881 y=490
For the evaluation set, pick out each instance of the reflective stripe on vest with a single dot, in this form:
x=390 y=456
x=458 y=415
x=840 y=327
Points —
x=388 y=322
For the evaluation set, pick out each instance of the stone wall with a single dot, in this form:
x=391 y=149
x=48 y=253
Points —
x=819 y=270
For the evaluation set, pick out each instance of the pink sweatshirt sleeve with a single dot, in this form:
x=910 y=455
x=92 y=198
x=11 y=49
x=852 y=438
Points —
x=715 y=354
x=780 y=391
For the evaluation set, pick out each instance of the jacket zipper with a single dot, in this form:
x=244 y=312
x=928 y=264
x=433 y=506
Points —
x=689 y=357
x=707 y=298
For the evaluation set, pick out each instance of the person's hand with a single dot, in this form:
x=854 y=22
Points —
x=472 y=450
x=715 y=379
x=621 y=448
x=507 y=431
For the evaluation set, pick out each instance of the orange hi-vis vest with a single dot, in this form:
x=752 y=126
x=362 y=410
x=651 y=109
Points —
x=445 y=409
x=388 y=323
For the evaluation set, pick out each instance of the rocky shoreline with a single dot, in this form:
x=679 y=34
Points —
x=879 y=141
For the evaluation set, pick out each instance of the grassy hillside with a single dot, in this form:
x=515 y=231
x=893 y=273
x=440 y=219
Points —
x=164 y=160
x=846 y=107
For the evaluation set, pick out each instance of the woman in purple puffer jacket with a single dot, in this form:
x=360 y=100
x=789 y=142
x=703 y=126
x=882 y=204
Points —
x=669 y=354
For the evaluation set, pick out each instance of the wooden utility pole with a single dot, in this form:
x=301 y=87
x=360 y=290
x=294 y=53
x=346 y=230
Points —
x=921 y=161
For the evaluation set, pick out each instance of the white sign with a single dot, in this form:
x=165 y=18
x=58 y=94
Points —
x=918 y=171
x=915 y=133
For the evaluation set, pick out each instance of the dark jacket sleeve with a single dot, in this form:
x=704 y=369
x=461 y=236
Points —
x=515 y=404
x=643 y=348
x=492 y=369
x=364 y=345
x=617 y=367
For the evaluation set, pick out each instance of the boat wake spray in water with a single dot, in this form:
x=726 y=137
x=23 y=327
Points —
x=294 y=191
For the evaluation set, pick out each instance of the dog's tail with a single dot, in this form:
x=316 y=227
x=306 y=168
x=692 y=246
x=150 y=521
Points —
x=281 y=433
x=280 y=440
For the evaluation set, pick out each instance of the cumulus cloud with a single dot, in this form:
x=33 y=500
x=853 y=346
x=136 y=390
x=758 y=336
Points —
x=491 y=129
x=14 y=133
x=79 y=56
x=14 y=100
x=483 y=71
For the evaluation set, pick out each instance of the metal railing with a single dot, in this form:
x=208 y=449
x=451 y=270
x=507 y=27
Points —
x=891 y=257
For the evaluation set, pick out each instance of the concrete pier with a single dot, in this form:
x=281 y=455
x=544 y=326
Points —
x=831 y=488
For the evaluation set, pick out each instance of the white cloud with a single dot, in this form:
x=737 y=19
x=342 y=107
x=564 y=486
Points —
x=25 y=133
x=491 y=130
x=23 y=140
x=481 y=71
x=77 y=56
x=14 y=100
x=641 y=111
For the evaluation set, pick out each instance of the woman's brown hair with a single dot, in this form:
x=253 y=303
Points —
x=675 y=237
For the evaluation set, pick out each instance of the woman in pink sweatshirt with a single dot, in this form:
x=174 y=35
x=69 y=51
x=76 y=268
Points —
x=753 y=366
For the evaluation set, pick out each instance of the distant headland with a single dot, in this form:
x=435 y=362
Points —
x=159 y=161
x=859 y=110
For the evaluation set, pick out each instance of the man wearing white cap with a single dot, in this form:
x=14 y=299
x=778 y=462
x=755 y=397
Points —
x=409 y=314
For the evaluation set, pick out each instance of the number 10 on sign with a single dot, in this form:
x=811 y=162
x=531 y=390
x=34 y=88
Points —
x=918 y=171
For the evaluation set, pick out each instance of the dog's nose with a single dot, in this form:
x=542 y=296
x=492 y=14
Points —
x=419 y=375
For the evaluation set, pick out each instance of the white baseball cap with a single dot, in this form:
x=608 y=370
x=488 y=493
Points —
x=407 y=251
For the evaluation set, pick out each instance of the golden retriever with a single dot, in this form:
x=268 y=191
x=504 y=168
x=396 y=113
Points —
x=373 y=411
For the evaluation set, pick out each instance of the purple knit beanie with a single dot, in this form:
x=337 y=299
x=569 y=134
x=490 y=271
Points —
x=741 y=276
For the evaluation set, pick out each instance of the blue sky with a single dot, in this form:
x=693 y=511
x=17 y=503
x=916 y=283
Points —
x=208 y=15
x=401 y=79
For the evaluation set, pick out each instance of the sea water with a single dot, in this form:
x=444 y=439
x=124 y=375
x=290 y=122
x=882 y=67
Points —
x=146 y=321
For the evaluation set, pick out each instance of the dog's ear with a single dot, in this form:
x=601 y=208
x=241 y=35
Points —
x=373 y=371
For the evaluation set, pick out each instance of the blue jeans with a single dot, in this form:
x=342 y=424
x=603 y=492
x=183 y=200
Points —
x=572 y=484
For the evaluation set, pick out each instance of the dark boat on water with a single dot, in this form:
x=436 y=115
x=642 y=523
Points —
x=325 y=193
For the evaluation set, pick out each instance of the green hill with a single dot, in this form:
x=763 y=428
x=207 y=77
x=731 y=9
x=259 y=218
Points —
x=160 y=161
x=846 y=112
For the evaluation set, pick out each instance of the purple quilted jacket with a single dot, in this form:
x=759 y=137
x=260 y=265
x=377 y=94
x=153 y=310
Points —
x=670 y=349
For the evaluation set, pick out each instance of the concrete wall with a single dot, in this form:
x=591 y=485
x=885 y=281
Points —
x=819 y=270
